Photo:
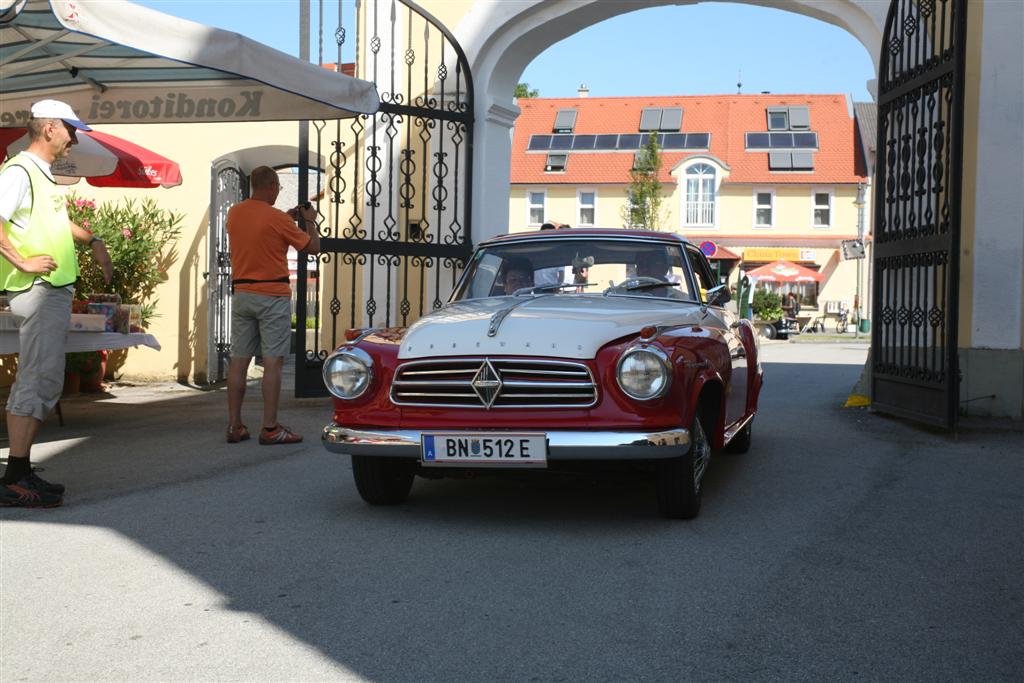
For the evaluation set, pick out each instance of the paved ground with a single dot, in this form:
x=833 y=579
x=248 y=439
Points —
x=843 y=546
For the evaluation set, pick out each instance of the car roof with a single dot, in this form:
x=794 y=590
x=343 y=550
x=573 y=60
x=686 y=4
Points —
x=604 y=233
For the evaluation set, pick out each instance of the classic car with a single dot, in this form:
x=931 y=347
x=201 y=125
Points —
x=557 y=349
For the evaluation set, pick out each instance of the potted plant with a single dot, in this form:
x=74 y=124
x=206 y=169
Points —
x=83 y=369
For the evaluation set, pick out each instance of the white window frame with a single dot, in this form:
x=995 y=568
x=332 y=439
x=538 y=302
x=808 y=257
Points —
x=530 y=205
x=815 y=206
x=714 y=196
x=771 y=192
x=580 y=206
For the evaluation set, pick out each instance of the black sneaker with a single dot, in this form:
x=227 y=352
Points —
x=26 y=494
x=43 y=485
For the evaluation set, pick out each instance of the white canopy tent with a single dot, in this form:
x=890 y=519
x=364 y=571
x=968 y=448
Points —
x=117 y=62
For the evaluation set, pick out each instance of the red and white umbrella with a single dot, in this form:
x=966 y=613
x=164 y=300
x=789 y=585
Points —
x=104 y=160
x=785 y=271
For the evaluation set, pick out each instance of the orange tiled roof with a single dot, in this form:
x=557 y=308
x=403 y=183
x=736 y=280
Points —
x=727 y=117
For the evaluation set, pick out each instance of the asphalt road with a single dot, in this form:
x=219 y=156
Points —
x=843 y=546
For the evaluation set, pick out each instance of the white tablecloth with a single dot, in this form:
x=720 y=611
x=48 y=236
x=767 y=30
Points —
x=86 y=341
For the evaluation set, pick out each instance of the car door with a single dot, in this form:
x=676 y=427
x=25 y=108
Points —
x=728 y=322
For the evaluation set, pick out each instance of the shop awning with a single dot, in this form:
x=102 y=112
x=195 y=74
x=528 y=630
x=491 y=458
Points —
x=785 y=271
x=117 y=62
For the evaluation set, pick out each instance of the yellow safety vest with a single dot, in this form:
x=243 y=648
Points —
x=47 y=231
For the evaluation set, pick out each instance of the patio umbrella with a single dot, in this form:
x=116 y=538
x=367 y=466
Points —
x=785 y=271
x=104 y=160
x=117 y=62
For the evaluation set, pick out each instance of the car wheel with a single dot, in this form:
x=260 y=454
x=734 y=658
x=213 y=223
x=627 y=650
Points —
x=768 y=331
x=741 y=442
x=382 y=481
x=679 y=479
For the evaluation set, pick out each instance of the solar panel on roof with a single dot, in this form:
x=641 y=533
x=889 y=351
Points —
x=606 y=142
x=757 y=140
x=698 y=140
x=583 y=142
x=675 y=141
x=809 y=140
x=630 y=141
x=561 y=141
x=539 y=142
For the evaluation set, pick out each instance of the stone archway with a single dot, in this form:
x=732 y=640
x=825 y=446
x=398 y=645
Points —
x=501 y=39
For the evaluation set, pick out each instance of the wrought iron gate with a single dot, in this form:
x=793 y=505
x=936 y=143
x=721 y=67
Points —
x=917 y=211
x=395 y=216
x=228 y=188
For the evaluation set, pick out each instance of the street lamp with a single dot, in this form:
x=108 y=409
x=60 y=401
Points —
x=859 y=203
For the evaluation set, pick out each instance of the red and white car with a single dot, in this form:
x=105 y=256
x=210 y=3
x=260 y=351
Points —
x=557 y=348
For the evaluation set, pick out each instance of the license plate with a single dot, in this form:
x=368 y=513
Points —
x=505 y=449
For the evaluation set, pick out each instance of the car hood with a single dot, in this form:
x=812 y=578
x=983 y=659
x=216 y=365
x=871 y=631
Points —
x=548 y=325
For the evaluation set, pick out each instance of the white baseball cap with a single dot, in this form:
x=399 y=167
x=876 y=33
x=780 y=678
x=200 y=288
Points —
x=55 y=109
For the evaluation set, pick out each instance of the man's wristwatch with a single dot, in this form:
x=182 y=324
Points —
x=94 y=239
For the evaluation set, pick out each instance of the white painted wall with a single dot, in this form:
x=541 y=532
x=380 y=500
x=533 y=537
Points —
x=999 y=211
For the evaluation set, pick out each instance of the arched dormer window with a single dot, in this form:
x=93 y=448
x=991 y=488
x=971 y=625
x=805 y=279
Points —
x=699 y=202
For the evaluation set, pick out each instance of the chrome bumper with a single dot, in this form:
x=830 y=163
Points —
x=562 y=445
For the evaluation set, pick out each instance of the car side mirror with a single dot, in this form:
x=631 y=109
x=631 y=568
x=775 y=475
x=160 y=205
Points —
x=718 y=296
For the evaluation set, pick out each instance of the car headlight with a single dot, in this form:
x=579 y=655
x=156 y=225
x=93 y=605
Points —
x=644 y=372
x=347 y=373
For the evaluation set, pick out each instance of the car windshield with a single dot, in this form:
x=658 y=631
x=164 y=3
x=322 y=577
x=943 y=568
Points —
x=577 y=267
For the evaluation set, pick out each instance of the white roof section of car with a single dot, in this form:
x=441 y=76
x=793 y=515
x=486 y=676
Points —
x=117 y=62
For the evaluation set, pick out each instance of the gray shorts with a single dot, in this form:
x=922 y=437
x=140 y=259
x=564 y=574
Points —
x=261 y=325
x=45 y=316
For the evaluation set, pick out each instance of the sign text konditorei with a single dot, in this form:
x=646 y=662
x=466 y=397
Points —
x=171 y=107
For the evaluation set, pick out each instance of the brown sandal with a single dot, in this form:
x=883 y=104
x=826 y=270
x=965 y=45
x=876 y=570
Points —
x=239 y=433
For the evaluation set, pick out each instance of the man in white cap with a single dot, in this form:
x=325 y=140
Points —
x=37 y=273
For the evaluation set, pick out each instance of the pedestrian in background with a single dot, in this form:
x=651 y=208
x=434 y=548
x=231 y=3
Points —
x=37 y=273
x=261 y=311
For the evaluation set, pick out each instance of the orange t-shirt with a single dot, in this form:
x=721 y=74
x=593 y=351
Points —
x=259 y=236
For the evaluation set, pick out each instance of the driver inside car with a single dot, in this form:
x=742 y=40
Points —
x=655 y=264
x=518 y=275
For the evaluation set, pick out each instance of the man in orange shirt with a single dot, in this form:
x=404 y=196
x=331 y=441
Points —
x=261 y=310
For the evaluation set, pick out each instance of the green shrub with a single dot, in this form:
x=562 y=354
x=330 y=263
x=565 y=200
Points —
x=141 y=239
x=767 y=305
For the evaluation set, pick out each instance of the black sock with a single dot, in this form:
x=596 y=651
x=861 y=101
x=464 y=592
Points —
x=17 y=469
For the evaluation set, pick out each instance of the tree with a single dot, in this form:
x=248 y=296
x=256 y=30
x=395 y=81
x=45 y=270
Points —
x=523 y=91
x=643 y=204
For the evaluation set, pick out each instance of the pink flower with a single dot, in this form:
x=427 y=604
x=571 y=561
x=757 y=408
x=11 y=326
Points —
x=85 y=224
x=126 y=232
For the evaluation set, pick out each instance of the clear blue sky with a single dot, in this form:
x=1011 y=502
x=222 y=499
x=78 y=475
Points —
x=693 y=49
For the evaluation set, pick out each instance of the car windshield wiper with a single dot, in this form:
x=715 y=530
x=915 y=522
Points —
x=554 y=287
x=649 y=285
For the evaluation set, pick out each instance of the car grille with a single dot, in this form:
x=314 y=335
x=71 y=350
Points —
x=494 y=383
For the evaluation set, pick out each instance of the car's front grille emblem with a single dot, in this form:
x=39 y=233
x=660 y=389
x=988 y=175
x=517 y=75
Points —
x=487 y=383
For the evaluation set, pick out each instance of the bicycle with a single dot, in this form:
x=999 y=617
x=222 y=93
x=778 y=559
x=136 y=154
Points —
x=844 y=319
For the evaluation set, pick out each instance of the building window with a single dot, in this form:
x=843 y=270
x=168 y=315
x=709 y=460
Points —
x=822 y=209
x=669 y=119
x=556 y=163
x=586 y=206
x=535 y=207
x=699 y=208
x=763 y=201
x=565 y=121
x=788 y=118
